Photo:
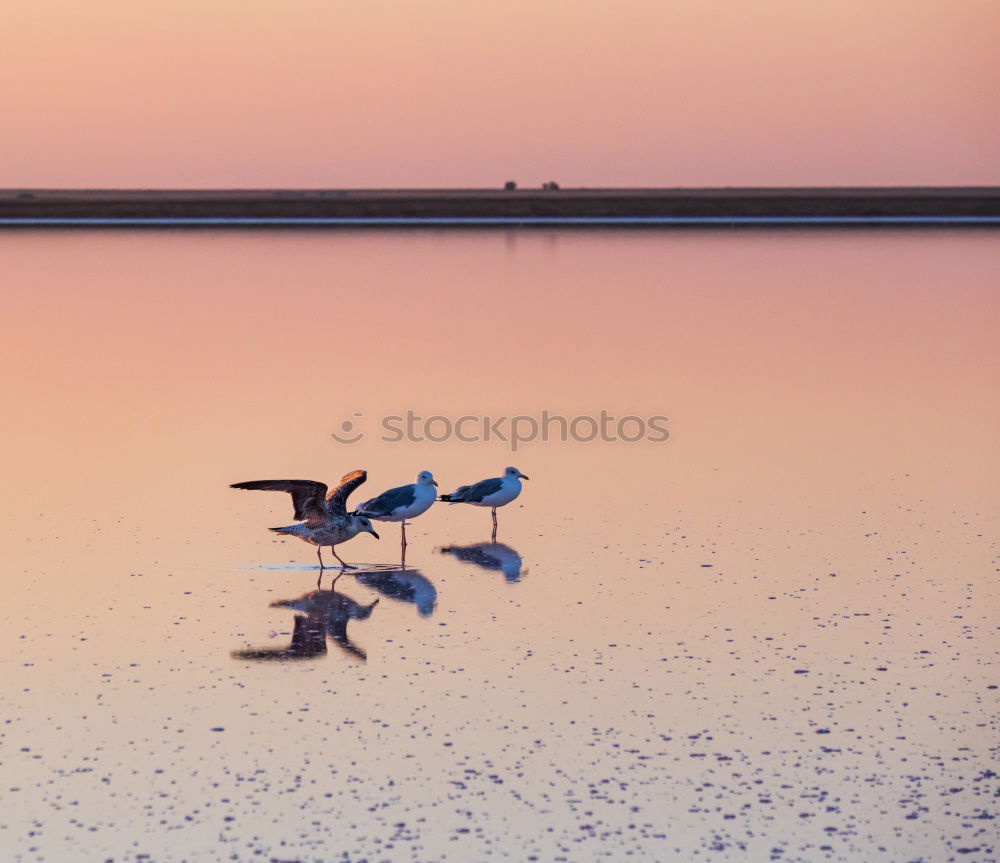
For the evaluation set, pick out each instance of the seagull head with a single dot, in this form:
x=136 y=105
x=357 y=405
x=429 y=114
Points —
x=425 y=477
x=363 y=525
x=514 y=472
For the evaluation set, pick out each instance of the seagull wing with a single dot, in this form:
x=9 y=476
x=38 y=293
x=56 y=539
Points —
x=336 y=500
x=388 y=501
x=307 y=496
x=475 y=493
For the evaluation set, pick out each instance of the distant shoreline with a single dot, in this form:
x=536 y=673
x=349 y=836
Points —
x=927 y=206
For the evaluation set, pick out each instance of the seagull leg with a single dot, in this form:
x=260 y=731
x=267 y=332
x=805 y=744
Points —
x=494 y=511
x=319 y=554
x=342 y=564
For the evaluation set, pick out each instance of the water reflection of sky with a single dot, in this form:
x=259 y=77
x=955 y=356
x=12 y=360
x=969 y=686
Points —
x=770 y=637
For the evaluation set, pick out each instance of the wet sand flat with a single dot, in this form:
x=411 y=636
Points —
x=771 y=636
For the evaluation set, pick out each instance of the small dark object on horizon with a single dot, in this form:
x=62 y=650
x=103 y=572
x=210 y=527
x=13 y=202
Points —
x=509 y=186
x=550 y=186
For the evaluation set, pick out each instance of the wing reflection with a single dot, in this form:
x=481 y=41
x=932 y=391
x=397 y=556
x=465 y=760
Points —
x=405 y=585
x=495 y=556
x=324 y=613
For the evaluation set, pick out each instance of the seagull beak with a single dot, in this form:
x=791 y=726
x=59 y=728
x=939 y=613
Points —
x=523 y=476
x=372 y=532
x=434 y=483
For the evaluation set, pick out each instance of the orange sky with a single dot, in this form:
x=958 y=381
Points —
x=440 y=92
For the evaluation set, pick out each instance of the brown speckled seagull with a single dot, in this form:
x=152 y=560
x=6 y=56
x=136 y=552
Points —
x=324 y=515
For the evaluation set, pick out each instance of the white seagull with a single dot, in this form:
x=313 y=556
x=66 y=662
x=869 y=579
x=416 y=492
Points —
x=399 y=504
x=325 y=515
x=495 y=492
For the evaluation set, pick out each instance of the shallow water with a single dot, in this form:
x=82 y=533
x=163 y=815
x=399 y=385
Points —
x=771 y=636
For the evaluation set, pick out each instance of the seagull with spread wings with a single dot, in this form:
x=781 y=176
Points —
x=324 y=516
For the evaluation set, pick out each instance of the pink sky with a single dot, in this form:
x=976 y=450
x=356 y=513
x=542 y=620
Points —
x=360 y=93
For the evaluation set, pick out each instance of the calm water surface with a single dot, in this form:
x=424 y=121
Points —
x=771 y=637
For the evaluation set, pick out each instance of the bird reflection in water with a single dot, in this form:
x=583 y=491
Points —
x=324 y=613
x=405 y=585
x=495 y=556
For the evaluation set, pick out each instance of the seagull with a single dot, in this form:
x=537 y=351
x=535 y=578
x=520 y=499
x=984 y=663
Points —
x=495 y=492
x=399 y=504
x=325 y=515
